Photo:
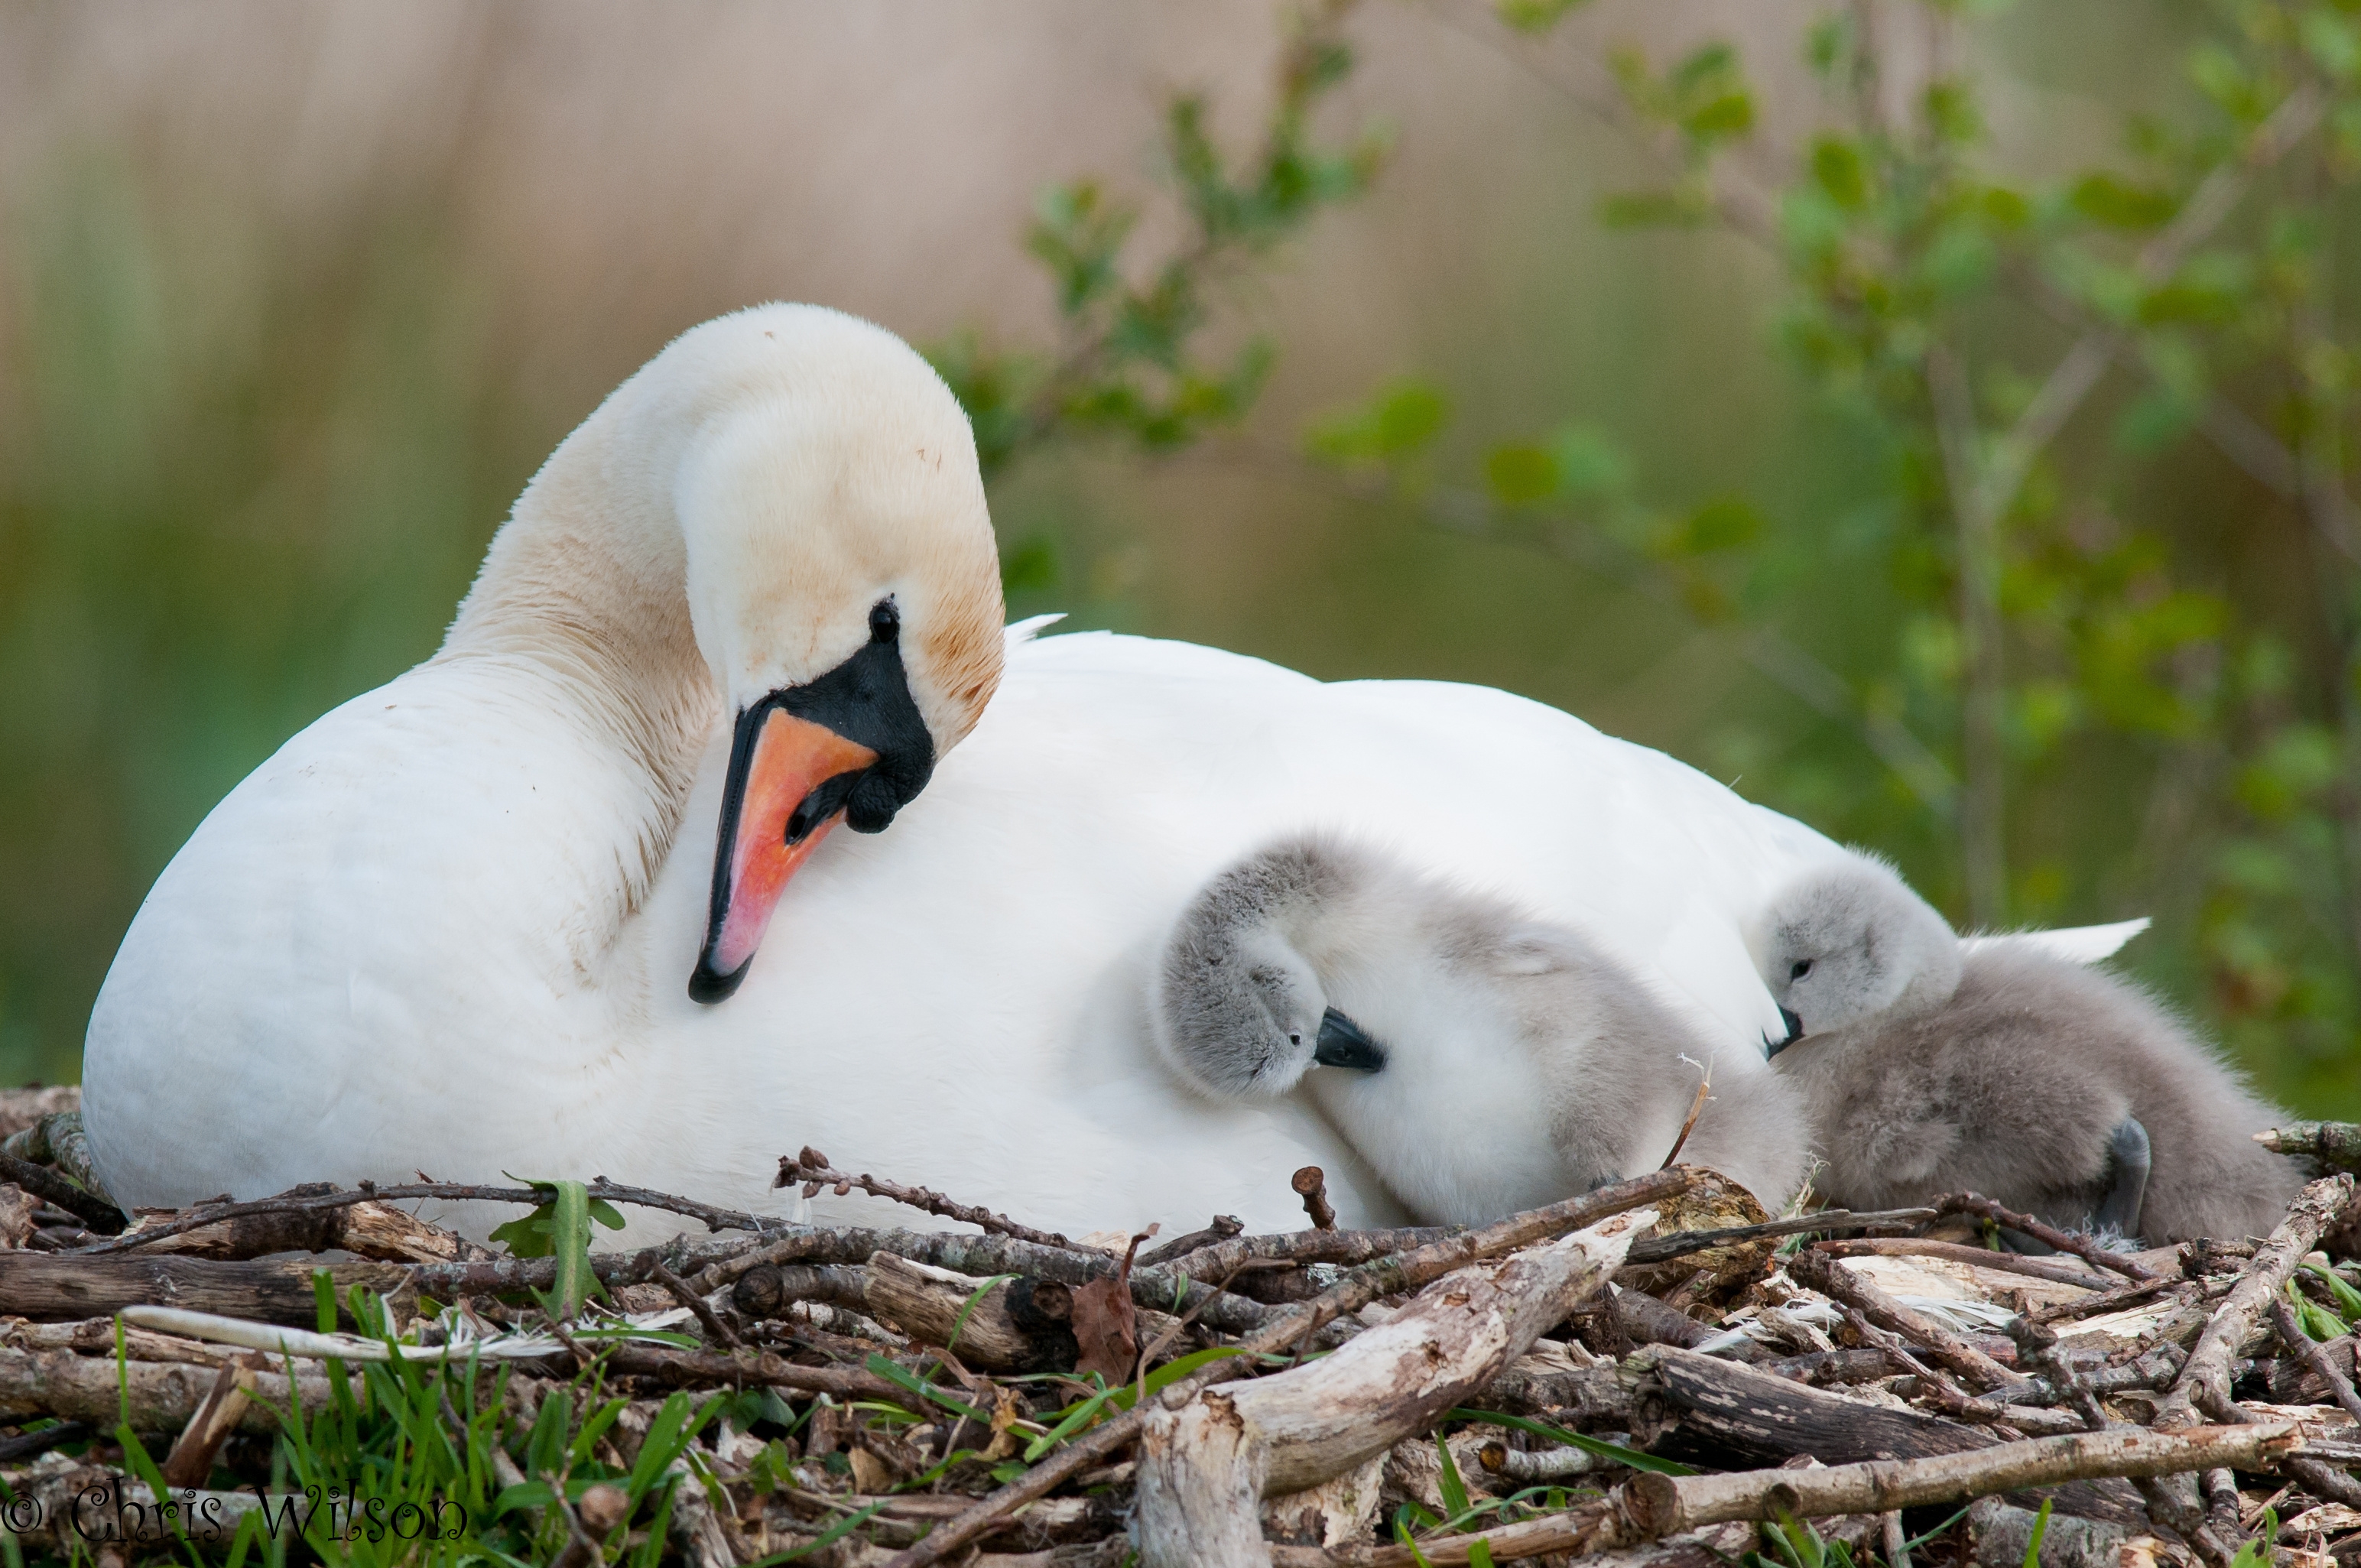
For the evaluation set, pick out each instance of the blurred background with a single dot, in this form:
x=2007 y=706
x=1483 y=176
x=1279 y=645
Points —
x=1928 y=419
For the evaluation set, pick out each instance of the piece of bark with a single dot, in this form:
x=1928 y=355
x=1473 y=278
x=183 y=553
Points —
x=1974 y=1256
x=2002 y=1534
x=2296 y=1379
x=1833 y=1280
x=1204 y=1467
x=190 y=1463
x=53 y=1287
x=1224 y=1227
x=931 y=1304
x=373 y=1230
x=768 y=1289
x=18 y=1208
x=1338 y=1512
x=163 y=1396
x=2206 y=1374
x=1581 y=1397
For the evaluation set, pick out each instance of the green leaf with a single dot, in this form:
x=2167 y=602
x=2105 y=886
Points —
x=570 y=1241
x=2332 y=41
x=2116 y=202
x=1721 y=118
x=1535 y=16
x=893 y=1373
x=1590 y=463
x=1727 y=522
x=2040 y=1529
x=1399 y=420
x=1520 y=474
x=1454 y=1490
x=1672 y=207
x=1838 y=168
x=1591 y=1445
x=2348 y=1300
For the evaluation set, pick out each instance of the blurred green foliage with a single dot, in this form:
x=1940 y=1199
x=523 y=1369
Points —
x=1129 y=363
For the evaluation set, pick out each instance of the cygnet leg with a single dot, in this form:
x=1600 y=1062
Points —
x=2120 y=1211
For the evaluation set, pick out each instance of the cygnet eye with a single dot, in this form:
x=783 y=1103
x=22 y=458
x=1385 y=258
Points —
x=1295 y=1037
x=1802 y=966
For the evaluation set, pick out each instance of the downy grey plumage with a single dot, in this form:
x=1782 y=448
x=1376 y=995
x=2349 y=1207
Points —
x=1481 y=1061
x=2055 y=1087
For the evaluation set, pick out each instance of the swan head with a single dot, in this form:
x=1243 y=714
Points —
x=1850 y=941
x=844 y=585
x=1239 y=1010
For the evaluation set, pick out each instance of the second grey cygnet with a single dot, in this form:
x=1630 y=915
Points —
x=1995 y=1066
x=1481 y=1061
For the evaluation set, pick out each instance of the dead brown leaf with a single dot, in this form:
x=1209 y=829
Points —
x=1106 y=1327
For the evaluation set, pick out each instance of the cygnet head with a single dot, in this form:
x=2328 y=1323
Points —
x=1849 y=941
x=809 y=486
x=1240 y=1010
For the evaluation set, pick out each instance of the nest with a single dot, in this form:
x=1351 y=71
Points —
x=1658 y=1371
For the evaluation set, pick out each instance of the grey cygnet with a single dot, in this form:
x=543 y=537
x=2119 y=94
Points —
x=1481 y=1061
x=2056 y=1088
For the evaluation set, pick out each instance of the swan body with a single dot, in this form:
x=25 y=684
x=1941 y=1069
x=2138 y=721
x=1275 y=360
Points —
x=2008 y=1067
x=1483 y=1062
x=483 y=918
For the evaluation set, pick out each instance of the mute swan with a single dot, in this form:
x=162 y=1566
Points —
x=1482 y=1061
x=1935 y=1065
x=482 y=919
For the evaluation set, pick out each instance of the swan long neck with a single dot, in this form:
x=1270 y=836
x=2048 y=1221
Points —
x=583 y=597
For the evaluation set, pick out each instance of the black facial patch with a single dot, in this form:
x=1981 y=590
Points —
x=867 y=700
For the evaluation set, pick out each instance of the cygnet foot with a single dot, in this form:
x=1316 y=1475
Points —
x=2129 y=1151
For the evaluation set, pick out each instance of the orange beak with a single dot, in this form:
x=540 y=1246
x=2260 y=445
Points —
x=788 y=782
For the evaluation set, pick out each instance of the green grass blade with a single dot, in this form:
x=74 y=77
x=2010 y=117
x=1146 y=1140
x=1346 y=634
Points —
x=2040 y=1529
x=1590 y=1445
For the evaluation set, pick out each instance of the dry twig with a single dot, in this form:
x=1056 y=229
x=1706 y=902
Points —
x=812 y=1168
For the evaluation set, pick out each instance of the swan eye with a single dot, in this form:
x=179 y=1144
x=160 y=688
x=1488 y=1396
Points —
x=1802 y=966
x=885 y=620
x=1295 y=1037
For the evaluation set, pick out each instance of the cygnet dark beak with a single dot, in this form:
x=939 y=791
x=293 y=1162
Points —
x=1342 y=1044
x=1794 y=1032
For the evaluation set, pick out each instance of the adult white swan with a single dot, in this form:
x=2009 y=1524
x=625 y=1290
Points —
x=490 y=916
